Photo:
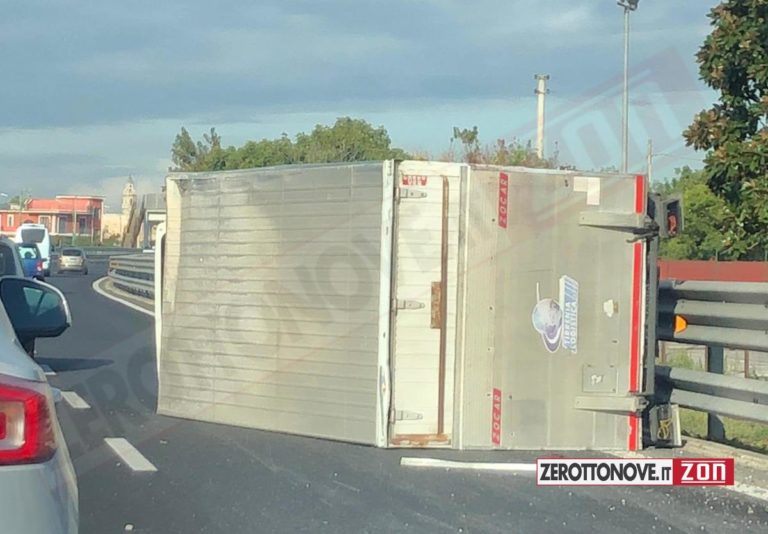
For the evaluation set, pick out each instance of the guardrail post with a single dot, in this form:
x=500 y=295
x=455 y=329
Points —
x=746 y=364
x=715 y=364
x=663 y=352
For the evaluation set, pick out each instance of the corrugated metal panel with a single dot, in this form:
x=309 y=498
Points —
x=418 y=265
x=525 y=236
x=273 y=299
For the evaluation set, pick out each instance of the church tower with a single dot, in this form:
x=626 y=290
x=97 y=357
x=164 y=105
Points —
x=129 y=199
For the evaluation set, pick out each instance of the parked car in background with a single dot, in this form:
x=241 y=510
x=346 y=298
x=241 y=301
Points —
x=72 y=259
x=38 y=486
x=38 y=234
x=10 y=260
x=32 y=261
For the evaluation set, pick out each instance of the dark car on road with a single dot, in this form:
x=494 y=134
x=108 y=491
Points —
x=32 y=261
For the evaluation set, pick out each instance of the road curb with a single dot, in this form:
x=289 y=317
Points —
x=751 y=468
x=97 y=287
x=711 y=449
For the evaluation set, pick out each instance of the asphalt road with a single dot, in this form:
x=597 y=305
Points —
x=218 y=479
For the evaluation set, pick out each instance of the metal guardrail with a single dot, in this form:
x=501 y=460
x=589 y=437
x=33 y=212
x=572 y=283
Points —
x=730 y=396
x=729 y=314
x=717 y=315
x=134 y=274
x=92 y=252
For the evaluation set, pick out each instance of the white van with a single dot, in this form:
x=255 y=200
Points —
x=38 y=234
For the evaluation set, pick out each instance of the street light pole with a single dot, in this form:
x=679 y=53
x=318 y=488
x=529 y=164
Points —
x=625 y=111
x=74 y=218
x=628 y=5
x=541 y=94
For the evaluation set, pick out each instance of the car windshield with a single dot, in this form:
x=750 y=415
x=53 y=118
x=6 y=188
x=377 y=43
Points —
x=28 y=252
x=71 y=252
x=32 y=235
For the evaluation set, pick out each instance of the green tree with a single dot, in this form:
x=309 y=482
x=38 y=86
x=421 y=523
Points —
x=347 y=140
x=470 y=143
x=503 y=152
x=707 y=218
x=264 y=153
x=184 y=152
x=734 y=62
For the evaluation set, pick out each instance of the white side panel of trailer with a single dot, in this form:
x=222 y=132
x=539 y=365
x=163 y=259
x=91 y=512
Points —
x=273 y=299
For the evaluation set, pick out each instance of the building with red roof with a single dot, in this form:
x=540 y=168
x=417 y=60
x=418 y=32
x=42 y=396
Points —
x=63 y=215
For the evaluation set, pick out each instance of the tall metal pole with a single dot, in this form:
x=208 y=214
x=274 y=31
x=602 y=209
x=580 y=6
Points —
x=541 y=93
x=74 y=218
x=625 y=113
x=650 y=160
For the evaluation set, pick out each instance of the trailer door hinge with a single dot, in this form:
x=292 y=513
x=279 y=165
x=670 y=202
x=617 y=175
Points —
x=409 y=192
x=402 y=304
x=405 y=415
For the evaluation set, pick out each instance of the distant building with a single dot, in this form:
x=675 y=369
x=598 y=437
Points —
x=64 y=215
x=129 y=200
x=113 y=226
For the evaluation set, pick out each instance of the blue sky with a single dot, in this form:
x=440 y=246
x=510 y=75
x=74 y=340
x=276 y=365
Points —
x=94 y=91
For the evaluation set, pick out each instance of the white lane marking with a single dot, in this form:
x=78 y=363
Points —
x=97 y=288
x=477 y=466
x=130 y=455
x=47 y=370
x=75 y=400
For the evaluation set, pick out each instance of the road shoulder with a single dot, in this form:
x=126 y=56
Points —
x=104 y=287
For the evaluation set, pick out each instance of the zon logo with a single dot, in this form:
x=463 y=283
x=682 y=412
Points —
x=699 y=472
x=414 y=179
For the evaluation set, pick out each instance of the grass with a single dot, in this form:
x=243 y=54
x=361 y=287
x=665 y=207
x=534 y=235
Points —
x=738 y=433
x=742 y=434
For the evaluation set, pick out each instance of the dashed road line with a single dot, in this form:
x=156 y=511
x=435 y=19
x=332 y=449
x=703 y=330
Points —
x=130 y=455
x=75 y=400
x=47 y=370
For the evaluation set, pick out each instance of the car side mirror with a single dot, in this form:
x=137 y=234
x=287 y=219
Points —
x=35 y=309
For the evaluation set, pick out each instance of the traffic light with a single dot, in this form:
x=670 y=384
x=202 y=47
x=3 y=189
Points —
x=671 y=220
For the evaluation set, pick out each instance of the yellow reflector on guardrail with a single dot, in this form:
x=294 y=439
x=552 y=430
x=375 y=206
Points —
x=680 y=324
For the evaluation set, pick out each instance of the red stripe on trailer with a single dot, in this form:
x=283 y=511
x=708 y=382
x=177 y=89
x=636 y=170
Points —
x=637 y=292
x=640 y=194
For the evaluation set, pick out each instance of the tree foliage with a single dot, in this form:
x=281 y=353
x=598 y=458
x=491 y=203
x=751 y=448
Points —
x=734 y=61
x=347 y=140
x=502 y=152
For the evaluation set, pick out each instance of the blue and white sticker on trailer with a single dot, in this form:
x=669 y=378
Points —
x=557 y=320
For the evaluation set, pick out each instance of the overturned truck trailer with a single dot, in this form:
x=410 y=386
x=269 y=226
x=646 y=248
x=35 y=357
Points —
x=411 y=304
